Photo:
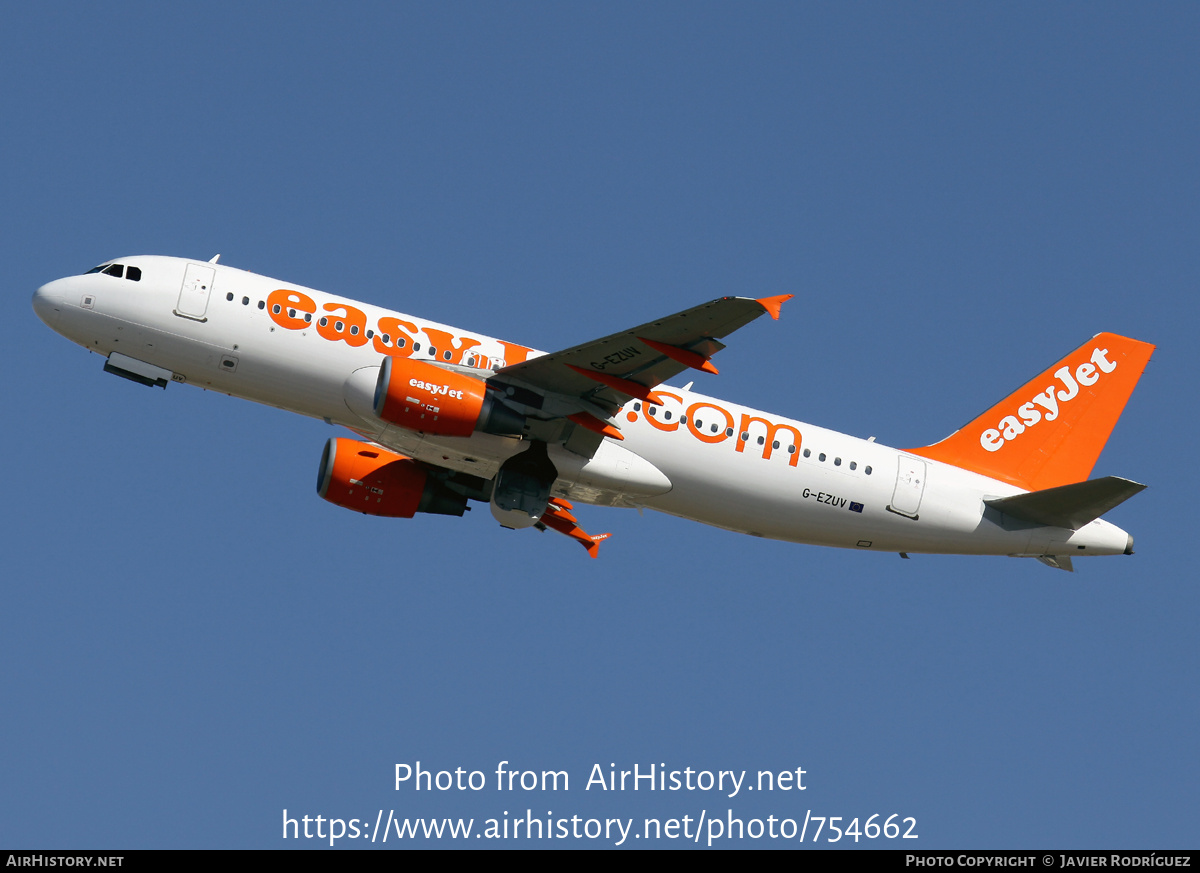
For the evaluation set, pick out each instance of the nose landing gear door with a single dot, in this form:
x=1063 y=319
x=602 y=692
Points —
x=194 y=294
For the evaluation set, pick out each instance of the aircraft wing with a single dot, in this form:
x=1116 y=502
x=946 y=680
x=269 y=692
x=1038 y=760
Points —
x=608 y=372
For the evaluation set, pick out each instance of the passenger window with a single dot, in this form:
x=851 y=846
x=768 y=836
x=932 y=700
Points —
x=245 y=300
x=867 y=470
x=262 y=304
x=134 y=274
x=229 y=296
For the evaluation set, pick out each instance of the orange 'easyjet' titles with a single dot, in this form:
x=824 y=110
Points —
x=295 y=310
x=343 y=323
x=283 y=305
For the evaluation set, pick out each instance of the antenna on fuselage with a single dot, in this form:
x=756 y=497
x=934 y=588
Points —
x=214 y=258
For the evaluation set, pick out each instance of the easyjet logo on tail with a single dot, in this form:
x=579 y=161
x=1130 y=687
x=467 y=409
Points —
x=1045 y=406
x=1051 y=430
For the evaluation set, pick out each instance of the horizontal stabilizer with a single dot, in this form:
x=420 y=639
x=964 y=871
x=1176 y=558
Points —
x=1069 y=506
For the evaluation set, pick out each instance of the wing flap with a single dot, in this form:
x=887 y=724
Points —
x=632 y=358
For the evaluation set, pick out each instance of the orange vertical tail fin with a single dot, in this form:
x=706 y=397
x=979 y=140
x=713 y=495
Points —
x=1051 y=431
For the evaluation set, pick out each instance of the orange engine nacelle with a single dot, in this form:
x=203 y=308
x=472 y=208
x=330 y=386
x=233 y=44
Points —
x=366 y=478
x=428 y=398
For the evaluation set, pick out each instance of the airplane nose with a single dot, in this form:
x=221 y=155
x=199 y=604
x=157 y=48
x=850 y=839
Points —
x=47 y=303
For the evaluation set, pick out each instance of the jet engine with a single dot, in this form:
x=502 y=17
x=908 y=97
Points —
x=374 y=481
x=425 y=397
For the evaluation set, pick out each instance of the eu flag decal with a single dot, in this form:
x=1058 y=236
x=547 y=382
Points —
x=855 y=507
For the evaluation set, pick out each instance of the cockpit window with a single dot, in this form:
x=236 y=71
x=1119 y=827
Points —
x=134 y=274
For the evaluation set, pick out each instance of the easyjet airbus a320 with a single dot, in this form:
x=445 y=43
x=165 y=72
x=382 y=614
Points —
x=446 y=416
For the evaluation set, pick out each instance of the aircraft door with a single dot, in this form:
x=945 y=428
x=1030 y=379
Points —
x=196 y=289
x=910 y=485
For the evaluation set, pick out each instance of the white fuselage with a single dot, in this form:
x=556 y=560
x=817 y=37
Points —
x=215 y=326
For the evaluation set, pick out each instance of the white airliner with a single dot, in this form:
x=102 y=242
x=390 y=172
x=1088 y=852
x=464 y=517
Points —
x=447 y=416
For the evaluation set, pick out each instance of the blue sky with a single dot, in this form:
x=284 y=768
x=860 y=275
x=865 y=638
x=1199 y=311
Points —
x=957 y=195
